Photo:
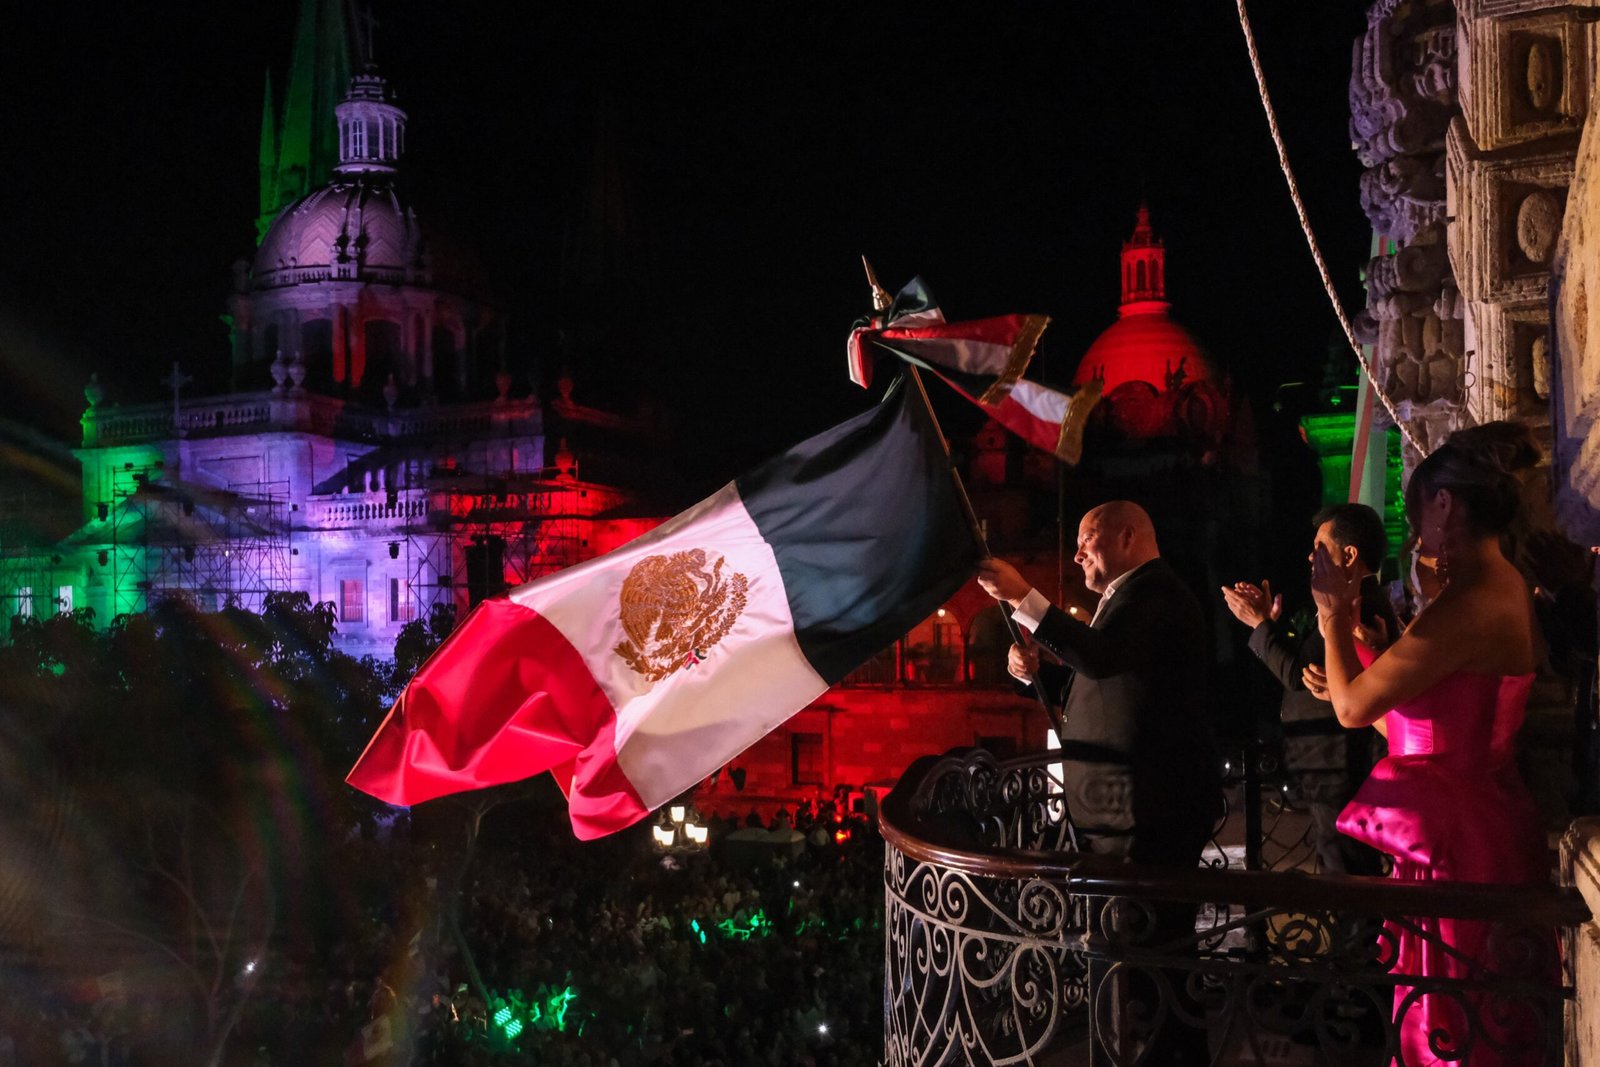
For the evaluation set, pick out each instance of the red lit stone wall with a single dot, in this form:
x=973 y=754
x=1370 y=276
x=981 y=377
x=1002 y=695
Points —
x=872 y=735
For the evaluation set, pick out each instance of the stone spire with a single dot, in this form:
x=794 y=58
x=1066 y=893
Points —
x=269 y=149
x=1144 y=263
x=302 y=138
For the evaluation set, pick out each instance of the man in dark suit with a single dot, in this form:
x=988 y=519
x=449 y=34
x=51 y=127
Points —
x=1139 y=759
x=1328 y=762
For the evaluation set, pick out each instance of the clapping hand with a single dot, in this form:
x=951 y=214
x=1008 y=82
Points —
x=1315 y=680
x=1253 y=604
x=1334 y=586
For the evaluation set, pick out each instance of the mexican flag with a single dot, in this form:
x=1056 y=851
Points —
x=637 y=674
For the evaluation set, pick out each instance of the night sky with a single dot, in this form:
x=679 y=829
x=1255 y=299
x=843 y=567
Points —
x=761 y=148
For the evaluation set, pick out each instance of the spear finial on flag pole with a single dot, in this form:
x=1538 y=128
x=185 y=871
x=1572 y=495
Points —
x=880 y=296
x=881 y=300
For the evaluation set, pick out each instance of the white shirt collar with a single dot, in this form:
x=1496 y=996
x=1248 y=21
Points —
x=1112 y=586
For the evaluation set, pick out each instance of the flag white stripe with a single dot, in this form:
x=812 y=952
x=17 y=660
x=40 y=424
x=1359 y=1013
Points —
x=673 y=732
x=1044 y=404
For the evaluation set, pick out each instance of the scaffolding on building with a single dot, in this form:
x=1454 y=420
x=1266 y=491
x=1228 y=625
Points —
x=485 y=534
x=33 y=572
x=219 y=548
x=30 y=581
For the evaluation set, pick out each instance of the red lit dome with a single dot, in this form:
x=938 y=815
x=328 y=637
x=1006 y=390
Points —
x=1144 y=344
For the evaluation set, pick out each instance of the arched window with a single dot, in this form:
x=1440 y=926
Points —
x=1139 y=273
x=316 y=342
x=447 y=371
x=385 y=349
x=933 y=650
x=988 y=644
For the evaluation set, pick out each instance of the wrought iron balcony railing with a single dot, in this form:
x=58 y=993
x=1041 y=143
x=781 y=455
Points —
x=1004 y=945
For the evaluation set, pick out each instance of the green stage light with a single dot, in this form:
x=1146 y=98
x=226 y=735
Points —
x=558 y=1006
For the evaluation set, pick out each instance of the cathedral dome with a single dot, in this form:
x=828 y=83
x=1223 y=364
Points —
x=357 y=228
x=1144 y=344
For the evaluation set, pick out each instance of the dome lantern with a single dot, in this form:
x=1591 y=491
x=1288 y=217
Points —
x=1144 y=264
x=372 y=130
x=1144 y=344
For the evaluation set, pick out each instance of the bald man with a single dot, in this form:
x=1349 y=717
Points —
x=1140 y=761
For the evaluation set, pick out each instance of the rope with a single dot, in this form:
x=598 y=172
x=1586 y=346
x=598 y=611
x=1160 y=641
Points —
x=1311 y=238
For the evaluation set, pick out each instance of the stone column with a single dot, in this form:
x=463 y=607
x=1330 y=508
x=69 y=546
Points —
x=1525 y=85
x=1574 y=352
x=1580 y=869
x=341 y=341
x=1402 y=98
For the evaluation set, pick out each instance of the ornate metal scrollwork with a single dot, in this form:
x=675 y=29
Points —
x=987 y=966
x=1005 y=968
x=1324 y=980
x=1016 y=803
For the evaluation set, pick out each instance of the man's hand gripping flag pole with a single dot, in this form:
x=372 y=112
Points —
x=881 y=301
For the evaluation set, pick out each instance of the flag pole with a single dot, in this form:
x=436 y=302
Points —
x=881 y=300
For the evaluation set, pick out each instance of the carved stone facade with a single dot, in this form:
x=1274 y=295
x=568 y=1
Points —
x=1573 y=355
x=1525 y=90
x=1580 y=869
x=1402 y=100
x=1467 y=115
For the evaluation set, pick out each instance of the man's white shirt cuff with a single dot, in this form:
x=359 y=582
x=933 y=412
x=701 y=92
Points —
x=1032 y=610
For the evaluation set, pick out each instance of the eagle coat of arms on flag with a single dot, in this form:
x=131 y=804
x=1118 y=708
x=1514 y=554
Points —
x=674 y=609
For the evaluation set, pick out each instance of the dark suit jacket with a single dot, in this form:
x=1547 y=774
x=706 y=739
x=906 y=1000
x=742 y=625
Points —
x=1314 y=742
x=1140 y=761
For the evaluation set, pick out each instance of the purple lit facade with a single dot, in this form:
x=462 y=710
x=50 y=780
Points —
x=375 y=454
x=372 y=454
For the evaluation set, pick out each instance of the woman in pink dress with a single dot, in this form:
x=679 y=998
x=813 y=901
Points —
x=1447 y=803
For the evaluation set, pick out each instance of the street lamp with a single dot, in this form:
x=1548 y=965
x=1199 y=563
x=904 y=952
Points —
x=681 y=827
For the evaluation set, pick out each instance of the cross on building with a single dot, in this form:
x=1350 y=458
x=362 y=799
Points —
x=368 y=22
x=176 y=381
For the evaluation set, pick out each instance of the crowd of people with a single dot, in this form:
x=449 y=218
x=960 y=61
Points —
x=692 y=958
x=599 y=954
x=615 y=953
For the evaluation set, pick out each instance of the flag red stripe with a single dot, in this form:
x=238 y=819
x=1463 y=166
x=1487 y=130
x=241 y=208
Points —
x=602 y=800
x=1000 y=330
x=504 y=698
x=856 y=360
x=1016 y=418
x=1025 y=424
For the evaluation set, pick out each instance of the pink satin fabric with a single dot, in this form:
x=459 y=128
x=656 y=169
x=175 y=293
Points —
x=1449 y=805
